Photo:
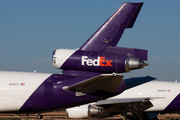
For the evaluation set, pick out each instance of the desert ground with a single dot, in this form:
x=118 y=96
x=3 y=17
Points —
x=62 y=116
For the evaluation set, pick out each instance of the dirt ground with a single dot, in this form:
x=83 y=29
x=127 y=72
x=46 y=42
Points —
x=62 y=116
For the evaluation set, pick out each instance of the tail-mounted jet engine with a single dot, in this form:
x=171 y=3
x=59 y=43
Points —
x=99 y=53
x=96 y=61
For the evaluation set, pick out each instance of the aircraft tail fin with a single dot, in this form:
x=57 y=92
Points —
x=111 y=31
x=133 y=19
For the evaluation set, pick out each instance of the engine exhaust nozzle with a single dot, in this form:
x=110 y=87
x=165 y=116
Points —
x=134 y=63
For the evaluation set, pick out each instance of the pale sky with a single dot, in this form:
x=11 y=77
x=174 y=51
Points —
x=31 y=30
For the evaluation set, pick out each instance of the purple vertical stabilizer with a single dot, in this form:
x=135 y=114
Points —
x=111 y=31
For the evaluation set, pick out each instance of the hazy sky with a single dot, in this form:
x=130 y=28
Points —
x=31 y=30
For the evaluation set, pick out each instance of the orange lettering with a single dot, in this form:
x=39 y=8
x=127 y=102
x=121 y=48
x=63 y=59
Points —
x=108 y=63
x=101 y=61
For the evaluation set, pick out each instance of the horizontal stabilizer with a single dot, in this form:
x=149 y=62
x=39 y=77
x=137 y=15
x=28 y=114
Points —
x=103 y=82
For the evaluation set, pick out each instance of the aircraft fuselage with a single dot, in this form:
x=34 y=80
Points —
x=33 y=92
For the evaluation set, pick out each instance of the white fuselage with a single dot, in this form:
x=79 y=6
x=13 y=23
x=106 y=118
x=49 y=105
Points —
x=161 y=92
x=16 y=88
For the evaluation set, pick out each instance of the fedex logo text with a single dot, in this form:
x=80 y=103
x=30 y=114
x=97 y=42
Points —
x=100 y=61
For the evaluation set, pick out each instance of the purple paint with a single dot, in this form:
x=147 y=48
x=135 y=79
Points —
x=99 y=54
x=116 y=62
x=50 y=95
x=93 y=58
x=174 y=105
x=133 y=52
x=111 y=31
x=103 y=62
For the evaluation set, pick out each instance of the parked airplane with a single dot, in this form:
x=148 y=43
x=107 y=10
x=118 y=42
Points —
x=89 y=73
x=142 y=102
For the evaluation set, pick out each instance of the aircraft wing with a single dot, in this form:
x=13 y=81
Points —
x=130 y=104
x=104 y=83
x=127 y=103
